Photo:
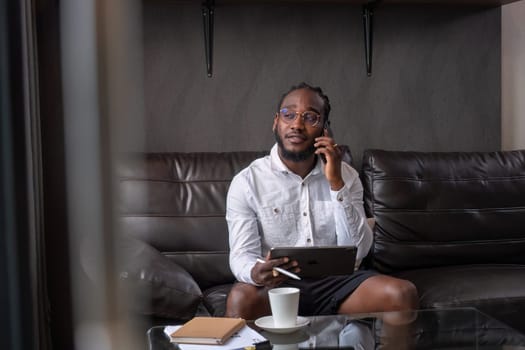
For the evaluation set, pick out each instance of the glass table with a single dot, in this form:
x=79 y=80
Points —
x=460 y=328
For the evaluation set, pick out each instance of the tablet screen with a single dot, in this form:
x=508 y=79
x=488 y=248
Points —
x=318 y=262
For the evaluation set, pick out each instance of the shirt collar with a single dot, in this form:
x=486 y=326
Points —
x=278 y=165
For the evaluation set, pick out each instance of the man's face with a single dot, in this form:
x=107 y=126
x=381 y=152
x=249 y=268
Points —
x=296 y=139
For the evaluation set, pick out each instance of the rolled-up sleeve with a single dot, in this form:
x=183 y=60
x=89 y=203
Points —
x=244 y=239
x=350 y=220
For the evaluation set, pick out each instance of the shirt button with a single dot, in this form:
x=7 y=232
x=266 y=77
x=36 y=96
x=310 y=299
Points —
x=304 y=214
x=308 y=240
x=340 y=199
x=276 y=210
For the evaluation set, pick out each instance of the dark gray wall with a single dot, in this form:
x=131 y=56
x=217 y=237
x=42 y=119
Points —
x=435 y=84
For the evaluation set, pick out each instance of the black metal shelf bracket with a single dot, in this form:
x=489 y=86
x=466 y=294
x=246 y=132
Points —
x=208 y=7
x=368 y=14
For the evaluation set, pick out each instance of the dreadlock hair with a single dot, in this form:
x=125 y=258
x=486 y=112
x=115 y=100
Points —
x=317 y=90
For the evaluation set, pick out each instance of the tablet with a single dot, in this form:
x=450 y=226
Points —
x=317 y=262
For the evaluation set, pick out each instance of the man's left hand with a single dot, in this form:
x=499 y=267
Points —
x=326 y=145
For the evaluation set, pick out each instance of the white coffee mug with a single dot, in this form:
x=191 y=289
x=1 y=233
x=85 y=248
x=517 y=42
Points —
x=284 y=303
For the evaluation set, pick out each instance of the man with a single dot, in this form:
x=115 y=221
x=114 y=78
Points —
x=294 y=197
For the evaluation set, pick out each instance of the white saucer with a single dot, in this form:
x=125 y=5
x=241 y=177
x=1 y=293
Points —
x=266 y=323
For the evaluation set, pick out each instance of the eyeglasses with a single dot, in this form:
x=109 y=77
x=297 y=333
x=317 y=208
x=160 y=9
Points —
x=310 y=118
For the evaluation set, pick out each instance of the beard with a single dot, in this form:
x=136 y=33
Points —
x=291 y=155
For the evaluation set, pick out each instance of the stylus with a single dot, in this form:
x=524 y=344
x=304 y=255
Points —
x=283 y=271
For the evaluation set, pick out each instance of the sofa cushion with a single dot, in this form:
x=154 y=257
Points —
x=207 y=268
x=215 y=299
x=435 y=209
x=468 y=285
x=496 y=289
x=159 y=286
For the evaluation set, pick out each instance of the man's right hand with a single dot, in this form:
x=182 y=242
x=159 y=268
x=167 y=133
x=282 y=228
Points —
x=263 y=273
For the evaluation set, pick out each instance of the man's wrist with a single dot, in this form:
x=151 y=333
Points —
x=254 y=280
x=337 y=185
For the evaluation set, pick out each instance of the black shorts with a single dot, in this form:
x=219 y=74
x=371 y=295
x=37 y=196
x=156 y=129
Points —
x=324 y=296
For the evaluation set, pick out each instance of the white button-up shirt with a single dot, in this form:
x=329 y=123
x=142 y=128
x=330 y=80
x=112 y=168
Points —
x=268 y=206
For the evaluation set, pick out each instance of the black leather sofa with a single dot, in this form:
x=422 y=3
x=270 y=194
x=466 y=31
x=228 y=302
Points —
x=453 y=223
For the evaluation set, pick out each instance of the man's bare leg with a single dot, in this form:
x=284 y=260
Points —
x=376 y=294
x=381 y=293
x=247 y=301
x=385 y=293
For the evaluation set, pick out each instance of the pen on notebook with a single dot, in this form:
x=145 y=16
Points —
x=283 y=271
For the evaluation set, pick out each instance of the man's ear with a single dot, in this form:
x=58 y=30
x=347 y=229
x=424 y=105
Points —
x=275 y=122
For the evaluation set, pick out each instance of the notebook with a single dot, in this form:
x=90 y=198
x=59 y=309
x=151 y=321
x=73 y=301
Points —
x=317 y=262
x=207 y=330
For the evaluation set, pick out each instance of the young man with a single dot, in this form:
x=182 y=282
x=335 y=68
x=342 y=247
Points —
x=295 y=198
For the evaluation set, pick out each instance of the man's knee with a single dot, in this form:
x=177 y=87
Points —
x=242 y=293
x=402 y=295
x=246 y=301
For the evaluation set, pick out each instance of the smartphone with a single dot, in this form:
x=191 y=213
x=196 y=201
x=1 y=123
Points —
x=327 y=131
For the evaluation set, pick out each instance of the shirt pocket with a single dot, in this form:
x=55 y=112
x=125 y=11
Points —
x=323 y=222
x=279 y=225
